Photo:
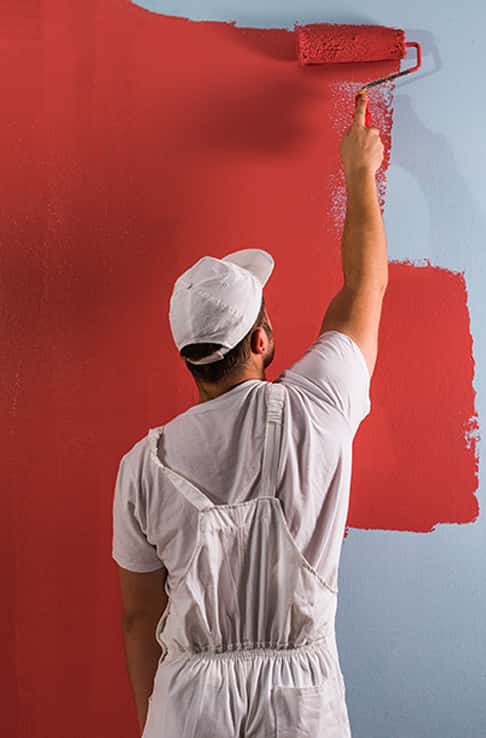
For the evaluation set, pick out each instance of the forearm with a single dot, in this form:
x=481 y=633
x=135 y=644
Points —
x=142 y=654
x=364 y=252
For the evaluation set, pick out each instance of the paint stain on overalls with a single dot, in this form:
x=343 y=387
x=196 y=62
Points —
x=248 y=636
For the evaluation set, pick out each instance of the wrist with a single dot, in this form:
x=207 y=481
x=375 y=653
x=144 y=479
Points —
x=361 y=189
x=357 y=176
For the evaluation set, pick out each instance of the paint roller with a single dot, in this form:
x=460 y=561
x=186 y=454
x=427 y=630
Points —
x=328 y=43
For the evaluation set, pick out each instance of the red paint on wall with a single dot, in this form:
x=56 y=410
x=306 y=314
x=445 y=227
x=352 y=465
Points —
x=415 y=463
x=133 y=144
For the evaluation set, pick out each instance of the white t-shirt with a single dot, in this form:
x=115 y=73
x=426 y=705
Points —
x=218 y=446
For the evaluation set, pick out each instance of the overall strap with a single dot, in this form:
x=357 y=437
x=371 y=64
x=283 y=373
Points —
x=273 y=428
x=273 y=435
x=183 y=485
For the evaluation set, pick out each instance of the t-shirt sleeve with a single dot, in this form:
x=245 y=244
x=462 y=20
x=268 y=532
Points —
x=335 y=371
x=130 y=548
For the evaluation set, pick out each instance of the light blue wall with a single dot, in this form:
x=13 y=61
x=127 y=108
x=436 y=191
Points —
x=412 y=618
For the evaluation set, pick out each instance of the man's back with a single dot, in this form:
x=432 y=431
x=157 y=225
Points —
x=249 y=632
x=218 y=446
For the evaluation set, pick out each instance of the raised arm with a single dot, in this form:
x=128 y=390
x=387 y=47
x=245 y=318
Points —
x=356 y=309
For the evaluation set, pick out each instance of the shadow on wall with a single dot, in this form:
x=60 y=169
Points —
x=429 y=49
x=431 y=399
x=455 y=218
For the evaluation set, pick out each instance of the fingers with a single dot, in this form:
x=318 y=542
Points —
x=361 y=105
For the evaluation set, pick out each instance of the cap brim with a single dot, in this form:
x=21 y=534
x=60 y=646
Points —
x=257 y=261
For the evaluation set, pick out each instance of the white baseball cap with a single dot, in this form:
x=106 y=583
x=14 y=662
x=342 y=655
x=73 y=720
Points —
x=218 y=300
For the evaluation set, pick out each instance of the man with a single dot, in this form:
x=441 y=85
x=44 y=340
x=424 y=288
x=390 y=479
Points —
x=229 y=521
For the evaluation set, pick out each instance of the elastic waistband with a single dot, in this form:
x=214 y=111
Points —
x=251 y=651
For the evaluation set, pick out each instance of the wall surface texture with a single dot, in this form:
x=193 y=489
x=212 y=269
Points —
x=139 y=137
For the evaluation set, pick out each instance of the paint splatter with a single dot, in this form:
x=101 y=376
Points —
x=343 y=95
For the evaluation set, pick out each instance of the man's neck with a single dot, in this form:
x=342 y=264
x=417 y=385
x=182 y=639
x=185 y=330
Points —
x=210 y=393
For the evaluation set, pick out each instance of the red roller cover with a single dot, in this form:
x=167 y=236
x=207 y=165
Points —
x=328 y=43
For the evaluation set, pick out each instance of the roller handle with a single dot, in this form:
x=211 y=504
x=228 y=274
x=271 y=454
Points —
x=367 y=111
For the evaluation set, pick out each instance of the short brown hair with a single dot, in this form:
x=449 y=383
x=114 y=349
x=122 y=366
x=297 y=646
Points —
x=233 y=362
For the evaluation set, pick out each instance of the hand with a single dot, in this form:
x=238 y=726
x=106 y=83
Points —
x=361 y=148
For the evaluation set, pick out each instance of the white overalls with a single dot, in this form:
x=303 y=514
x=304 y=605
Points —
x=248 y=637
